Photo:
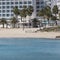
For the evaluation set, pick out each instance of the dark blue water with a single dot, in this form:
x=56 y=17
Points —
x=29 y=49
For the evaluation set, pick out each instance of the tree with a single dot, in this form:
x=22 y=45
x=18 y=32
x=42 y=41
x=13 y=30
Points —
x=24 y=10
x=16 y=11
x=45 y=13
x=42 y=13
x=24 y=14
x=14 y=21
x=35 y=22
x=59 y=16
x=55 y=11
x=29 y=12
x=48 y=13
x=3 y=22
x=54 y=18
x=21 y=14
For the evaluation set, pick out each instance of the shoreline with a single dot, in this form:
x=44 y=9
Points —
x=19 y=33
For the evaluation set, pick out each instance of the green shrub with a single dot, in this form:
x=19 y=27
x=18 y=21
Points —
x=51 y=29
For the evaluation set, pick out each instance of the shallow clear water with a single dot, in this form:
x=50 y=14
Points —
x=29 y=49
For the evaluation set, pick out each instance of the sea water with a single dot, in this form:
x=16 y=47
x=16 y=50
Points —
x=29 y=49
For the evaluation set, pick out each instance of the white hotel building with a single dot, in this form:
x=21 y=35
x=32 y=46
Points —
x=6 y=6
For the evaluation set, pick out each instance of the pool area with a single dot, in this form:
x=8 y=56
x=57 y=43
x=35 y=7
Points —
x=29 y=49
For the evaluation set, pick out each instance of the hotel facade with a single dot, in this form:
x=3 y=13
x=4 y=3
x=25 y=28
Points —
x=6 y=6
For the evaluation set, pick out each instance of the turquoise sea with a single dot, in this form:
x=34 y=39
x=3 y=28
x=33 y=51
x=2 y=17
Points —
x=29 y=49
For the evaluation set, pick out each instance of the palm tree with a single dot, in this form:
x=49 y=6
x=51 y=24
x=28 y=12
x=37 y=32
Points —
x=48 y=13
x=3 y=22
x=35 y=22
x=42 y=13
x=55 y=11
x=21 y=14
x=45 y=13
x=16 y=11
x=24 y=14
x=59 y=16
x=54 y=18
x=29 y=12
x=24 y=10
x=14 y=21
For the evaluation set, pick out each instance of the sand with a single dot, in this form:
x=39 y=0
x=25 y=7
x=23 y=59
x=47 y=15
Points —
x=27 y=33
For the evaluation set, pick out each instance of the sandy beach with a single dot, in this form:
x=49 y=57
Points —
x=27 y=33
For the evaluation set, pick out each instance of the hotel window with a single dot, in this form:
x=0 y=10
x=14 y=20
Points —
x=0 y=14
x=0 y=3
x=7 y=6
x=20 y=2
x=11 y=10
x=3 y=7
x=7 y=10
x=42 y=2
x=20 y=6
x=37 y=2
x=29 y=2
x=50 y=0
x=12 y=3
x=16 y=2
x=3 y=3
x=11 y=6
x=3 y=0
x=12 y=15
x=37 y=6
x=0 y=11
x=0 y=7
x=3 y=14
x=7 y=14
x=25 y=2
x=3 y=11
x=42 y=7
x=8 y=3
